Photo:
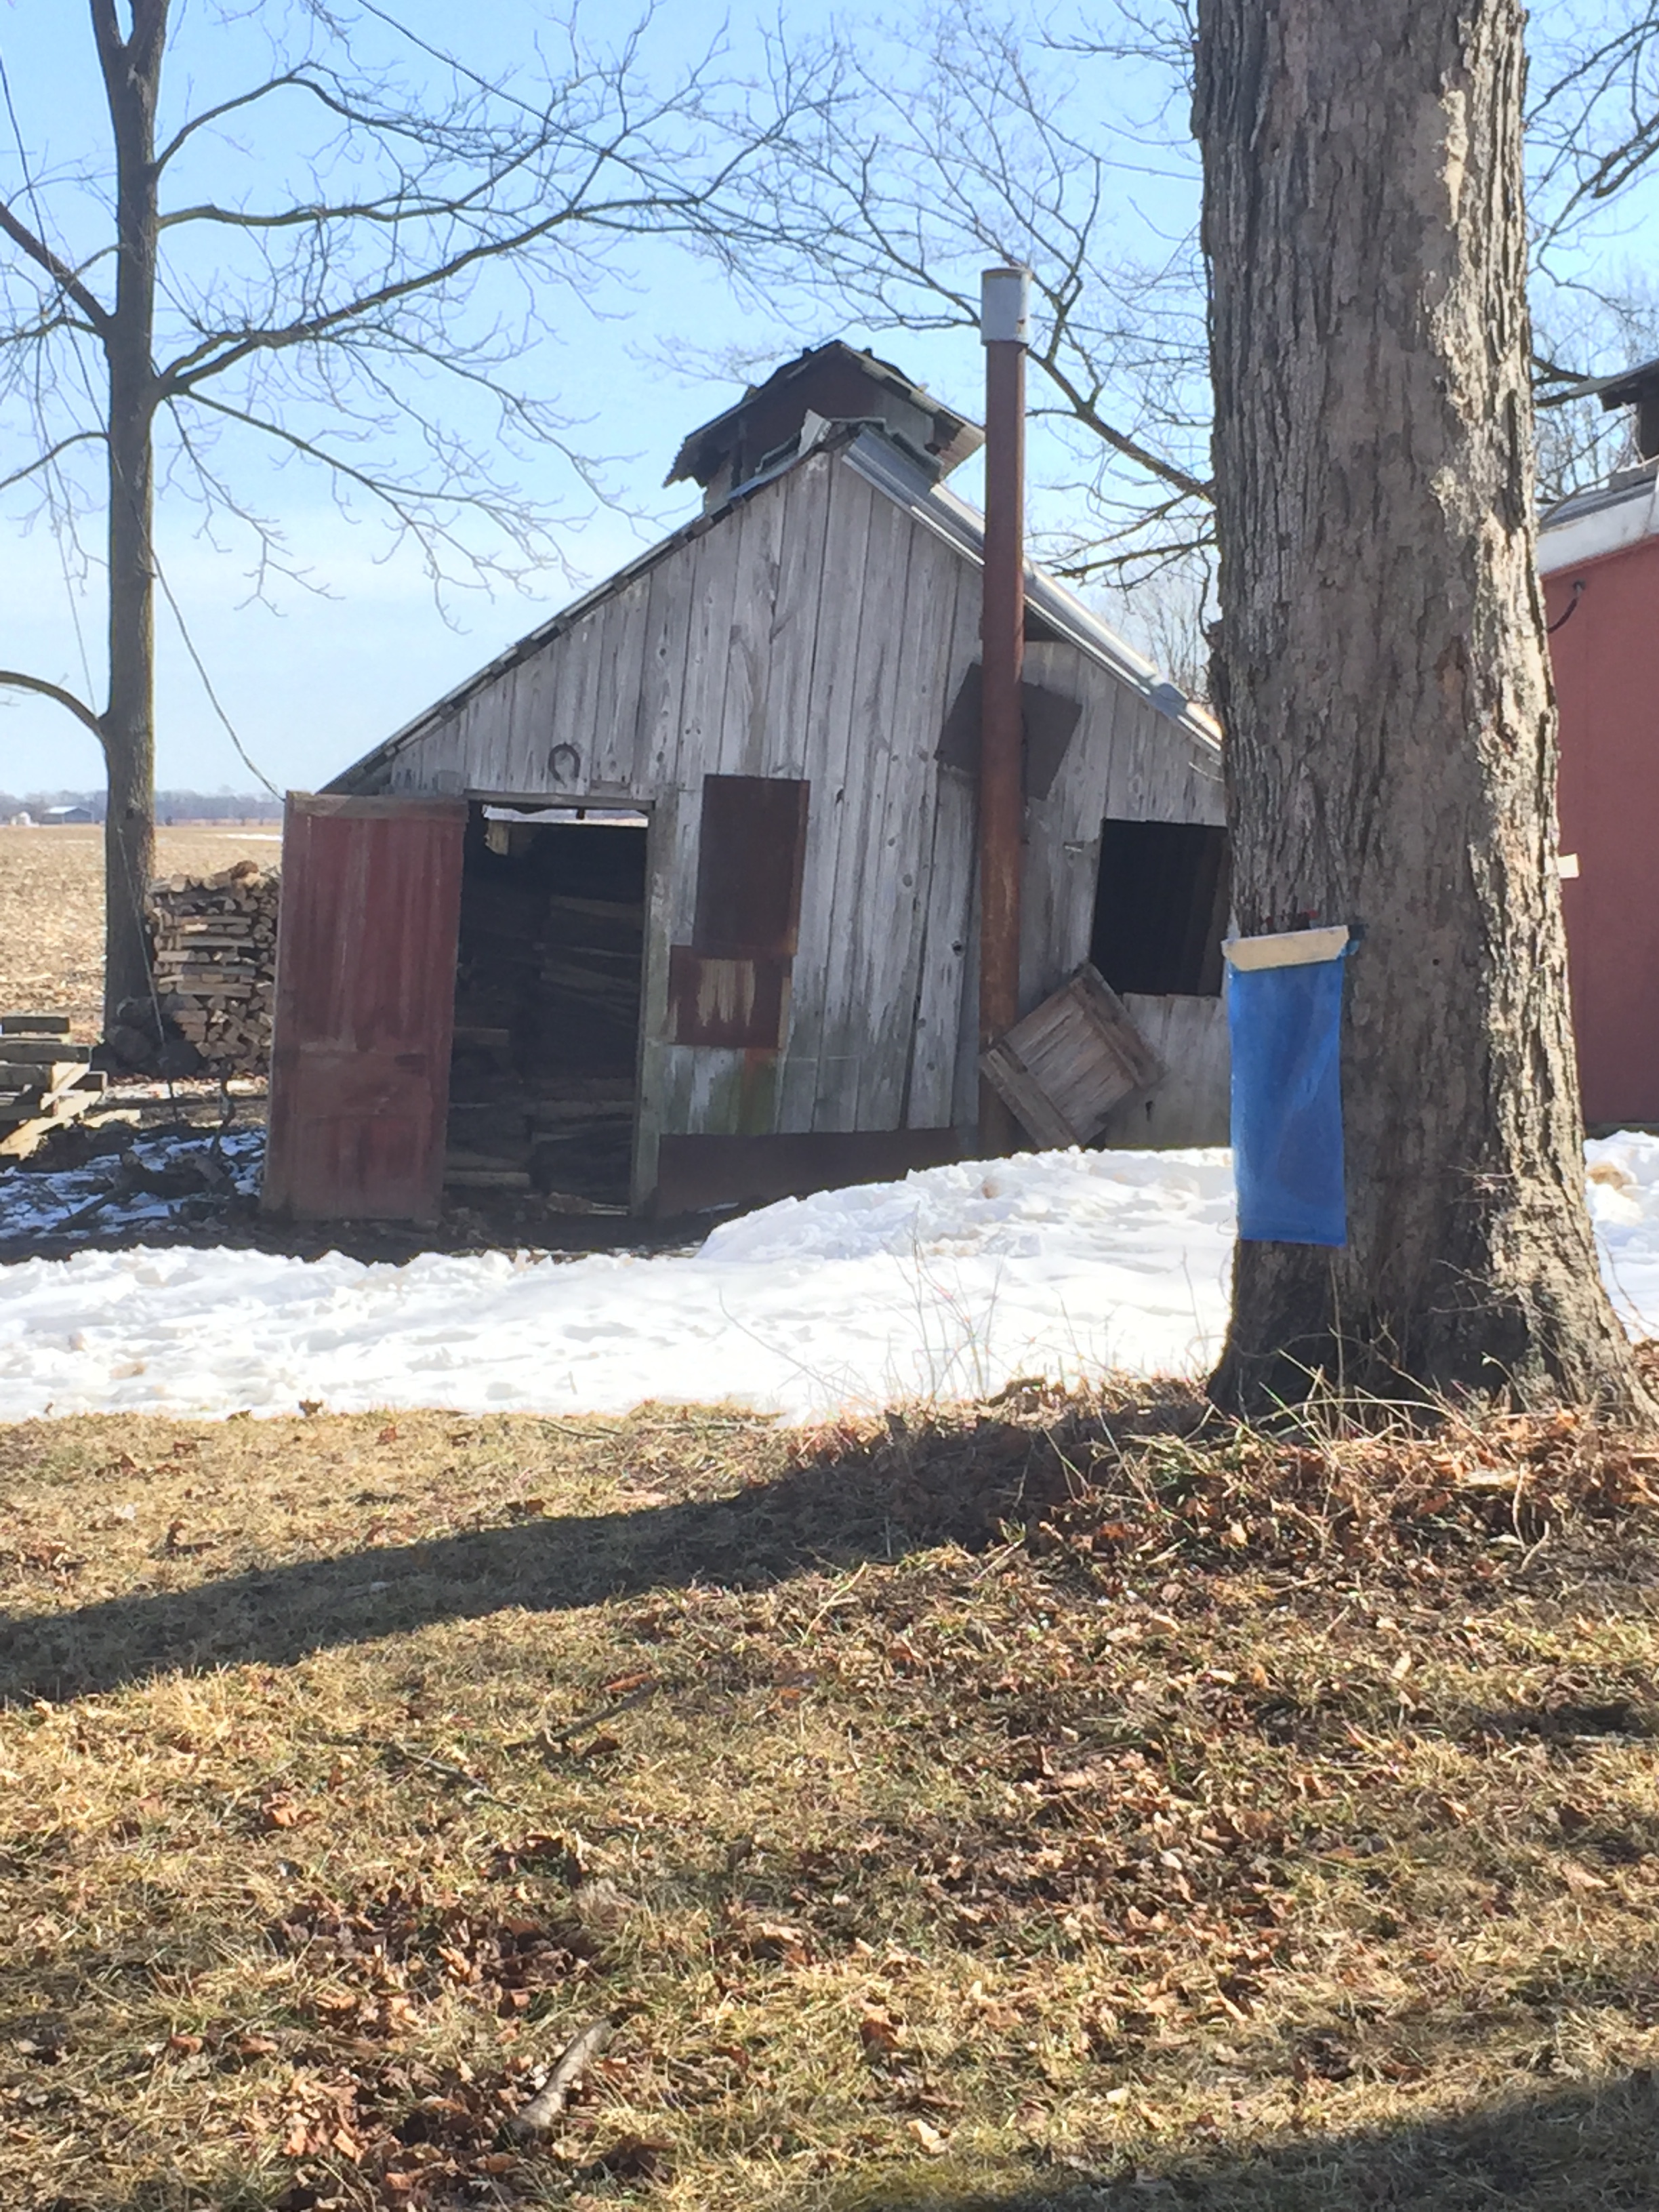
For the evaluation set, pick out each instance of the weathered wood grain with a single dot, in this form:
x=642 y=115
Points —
x=863 y=900
x=852 y=504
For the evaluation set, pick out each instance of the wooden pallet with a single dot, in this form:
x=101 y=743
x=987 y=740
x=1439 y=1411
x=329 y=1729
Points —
x=1067 y=1065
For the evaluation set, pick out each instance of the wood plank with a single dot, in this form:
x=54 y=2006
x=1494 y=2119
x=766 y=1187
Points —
x=1062 y=852
x=741 y=748
x=663 y=856
x=714 y=589
x=864 y=889
x=616 y=766
x=22 y=1139
x=964 y=1088
x=795 y=617
x=42 y=1051
x=658 y=720
x=510 y=735
x=44 y=1076
x=573 y=709
x=893 y=950
x=1191 y=1106
x=829 y=701
x=931 y=1088
x=930 y=1100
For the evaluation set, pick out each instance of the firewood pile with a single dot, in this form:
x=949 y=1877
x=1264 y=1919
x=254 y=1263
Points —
x=215 y=961
x=214 y=945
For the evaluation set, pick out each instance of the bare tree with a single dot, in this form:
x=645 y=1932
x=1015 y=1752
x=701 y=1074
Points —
x=955 y=141
x=423 y=220
x=959 y=139
x=1391 y=738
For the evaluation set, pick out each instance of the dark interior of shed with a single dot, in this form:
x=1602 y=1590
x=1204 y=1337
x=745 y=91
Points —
x=544 y=1078
x=1161 y=906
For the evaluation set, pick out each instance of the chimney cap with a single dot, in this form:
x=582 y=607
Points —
x=1004 y=306
x=838 y=380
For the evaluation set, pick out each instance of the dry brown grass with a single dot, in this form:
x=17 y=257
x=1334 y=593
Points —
x=1016 y=1807
x=52 y=909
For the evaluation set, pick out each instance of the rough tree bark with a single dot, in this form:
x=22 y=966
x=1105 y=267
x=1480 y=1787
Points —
x=132 y=68
x=1382 y=679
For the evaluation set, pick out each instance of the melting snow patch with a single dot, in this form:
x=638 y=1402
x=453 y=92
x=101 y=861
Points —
x=946 y=1285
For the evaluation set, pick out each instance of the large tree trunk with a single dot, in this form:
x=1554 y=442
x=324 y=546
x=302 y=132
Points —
x=1382 y=679
x=131 y=70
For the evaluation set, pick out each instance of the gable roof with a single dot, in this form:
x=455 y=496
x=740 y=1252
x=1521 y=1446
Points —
x=905 y=481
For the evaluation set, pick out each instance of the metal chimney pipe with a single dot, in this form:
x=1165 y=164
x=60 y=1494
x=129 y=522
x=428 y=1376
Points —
x=1005 y=307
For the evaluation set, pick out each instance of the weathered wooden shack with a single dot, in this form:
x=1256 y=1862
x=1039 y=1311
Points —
x=695 y=861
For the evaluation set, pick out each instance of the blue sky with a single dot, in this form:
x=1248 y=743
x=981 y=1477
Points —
x=323 y=673
x=317 y=677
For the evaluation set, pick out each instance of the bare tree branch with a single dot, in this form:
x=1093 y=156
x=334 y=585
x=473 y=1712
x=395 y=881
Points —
x=82 y=712
x=48 y=459
x=61 y=274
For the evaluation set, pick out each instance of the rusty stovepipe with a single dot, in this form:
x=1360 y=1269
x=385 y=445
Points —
x=1005 y=300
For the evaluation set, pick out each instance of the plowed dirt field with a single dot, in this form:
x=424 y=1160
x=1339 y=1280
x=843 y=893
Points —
x=51 y=907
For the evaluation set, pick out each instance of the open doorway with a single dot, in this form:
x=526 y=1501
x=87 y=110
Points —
x=545 y=1080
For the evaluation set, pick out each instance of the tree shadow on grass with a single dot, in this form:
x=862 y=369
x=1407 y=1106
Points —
x=961 y=1480
x=834 y=1511
x=1583 y=2148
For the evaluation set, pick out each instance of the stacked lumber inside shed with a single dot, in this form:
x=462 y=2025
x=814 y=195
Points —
x=215 y=939
x=547 y=1012
x=44 y=1079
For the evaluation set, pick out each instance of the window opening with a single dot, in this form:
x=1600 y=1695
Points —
x=1161 y=903
x=544 y=1085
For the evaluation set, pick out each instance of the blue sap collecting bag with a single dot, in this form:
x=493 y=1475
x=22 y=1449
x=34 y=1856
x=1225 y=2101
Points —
x=1286 y=1027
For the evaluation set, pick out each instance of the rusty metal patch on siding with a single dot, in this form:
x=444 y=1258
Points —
x=751 y=846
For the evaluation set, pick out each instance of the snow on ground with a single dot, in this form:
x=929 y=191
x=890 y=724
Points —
x=946 y=1285
x=1624 y=1201
x=158 y=1180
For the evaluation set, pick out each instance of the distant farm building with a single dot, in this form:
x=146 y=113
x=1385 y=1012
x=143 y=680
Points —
x=673 y=904
x=1599 y=553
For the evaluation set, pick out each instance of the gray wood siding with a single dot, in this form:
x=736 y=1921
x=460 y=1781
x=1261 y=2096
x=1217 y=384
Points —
x=821 y=630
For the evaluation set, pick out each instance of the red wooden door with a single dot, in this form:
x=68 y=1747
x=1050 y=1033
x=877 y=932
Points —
x=365 y=1007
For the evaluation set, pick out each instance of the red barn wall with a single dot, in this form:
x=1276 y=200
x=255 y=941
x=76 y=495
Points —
x=1605 y=657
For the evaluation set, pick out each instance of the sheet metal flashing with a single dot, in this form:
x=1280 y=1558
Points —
x=900 y=477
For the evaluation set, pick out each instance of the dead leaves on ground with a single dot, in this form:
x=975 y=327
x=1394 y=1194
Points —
x=369 y=1962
